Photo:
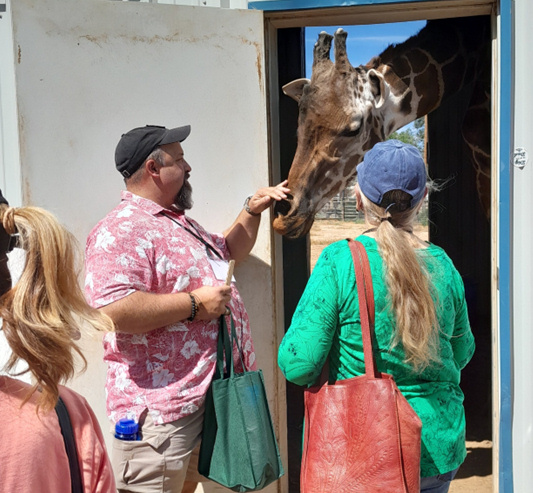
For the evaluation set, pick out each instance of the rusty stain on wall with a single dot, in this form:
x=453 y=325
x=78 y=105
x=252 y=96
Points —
x=26 y=192
x=259 y=69
x=26 y=185
x=95 y=39
x=175 y=37
x=154 y=39
x=258 y=59
x=178 y=38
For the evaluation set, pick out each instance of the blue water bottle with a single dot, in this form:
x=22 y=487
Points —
x=127 y=429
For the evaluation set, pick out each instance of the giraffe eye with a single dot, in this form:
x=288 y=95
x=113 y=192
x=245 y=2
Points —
x=350 y=132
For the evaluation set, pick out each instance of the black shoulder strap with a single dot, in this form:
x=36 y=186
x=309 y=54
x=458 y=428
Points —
x=70 y=446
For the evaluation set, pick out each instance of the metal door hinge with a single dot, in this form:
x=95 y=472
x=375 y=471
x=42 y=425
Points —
x=520 y=157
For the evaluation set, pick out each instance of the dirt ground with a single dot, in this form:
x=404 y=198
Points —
x=475 y=475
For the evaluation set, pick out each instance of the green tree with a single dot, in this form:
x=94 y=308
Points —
x=413 y=135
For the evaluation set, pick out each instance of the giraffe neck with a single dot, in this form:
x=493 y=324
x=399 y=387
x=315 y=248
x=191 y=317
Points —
x=429 y=67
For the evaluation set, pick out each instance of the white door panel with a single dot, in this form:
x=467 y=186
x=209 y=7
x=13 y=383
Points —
x=87 y=71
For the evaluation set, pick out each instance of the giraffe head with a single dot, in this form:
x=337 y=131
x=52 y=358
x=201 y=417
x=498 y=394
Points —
x=345 y=110
x=340 y=117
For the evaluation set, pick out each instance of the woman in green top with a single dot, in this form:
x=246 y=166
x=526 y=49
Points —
x=423 y=335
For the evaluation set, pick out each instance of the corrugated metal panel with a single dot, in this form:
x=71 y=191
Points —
x=317 y=4
x=225 y=4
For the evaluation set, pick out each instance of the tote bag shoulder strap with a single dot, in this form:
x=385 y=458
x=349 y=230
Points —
x=365 y=291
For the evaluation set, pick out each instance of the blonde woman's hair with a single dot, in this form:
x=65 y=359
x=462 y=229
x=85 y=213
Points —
x=408 y=283
x=45 y=311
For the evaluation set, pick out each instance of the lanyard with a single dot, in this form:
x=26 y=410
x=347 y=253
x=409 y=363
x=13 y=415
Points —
x=197 y=235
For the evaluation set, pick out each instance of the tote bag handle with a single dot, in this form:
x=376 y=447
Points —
x=365 y=292
x=225 y=347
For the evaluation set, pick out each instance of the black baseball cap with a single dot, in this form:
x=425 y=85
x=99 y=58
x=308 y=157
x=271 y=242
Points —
x=137 y=144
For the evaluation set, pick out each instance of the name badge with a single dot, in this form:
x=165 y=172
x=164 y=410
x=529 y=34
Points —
x=220 y=269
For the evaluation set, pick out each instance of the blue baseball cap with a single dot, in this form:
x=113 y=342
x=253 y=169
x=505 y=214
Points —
x=392 y=165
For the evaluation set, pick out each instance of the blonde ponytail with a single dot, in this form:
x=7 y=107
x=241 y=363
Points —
x=408 y=283
x=45 y=311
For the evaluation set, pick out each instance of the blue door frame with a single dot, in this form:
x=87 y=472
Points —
x=505 y=262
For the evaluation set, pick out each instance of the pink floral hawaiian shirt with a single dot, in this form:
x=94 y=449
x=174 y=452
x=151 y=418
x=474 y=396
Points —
x=140 y=246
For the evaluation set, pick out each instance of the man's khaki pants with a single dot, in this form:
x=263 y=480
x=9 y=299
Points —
x=163 y=460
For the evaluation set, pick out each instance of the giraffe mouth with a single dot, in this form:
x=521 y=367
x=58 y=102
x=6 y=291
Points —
x=282 y=207
x=289 y=222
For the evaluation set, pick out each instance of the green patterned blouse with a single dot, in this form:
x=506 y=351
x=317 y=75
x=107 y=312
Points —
x=326 y=322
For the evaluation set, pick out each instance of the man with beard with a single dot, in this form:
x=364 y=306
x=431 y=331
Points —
x=161 y=278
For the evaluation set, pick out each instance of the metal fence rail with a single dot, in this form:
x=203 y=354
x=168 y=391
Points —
x=343 y=207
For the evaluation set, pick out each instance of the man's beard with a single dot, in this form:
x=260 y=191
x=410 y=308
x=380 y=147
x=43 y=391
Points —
x=183 y=200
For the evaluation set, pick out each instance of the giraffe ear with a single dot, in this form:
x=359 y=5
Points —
x=295 y=88
x=380 y=88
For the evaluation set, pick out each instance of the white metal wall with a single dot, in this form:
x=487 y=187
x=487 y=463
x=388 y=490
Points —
x=86 y=71
x=9 y=149
x=523 y=249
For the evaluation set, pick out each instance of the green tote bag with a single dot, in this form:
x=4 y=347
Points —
x=239 y=448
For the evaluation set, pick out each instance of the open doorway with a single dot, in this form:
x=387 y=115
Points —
x=463 y=231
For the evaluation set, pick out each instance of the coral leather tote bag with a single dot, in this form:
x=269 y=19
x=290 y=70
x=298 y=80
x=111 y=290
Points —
x=361 y=434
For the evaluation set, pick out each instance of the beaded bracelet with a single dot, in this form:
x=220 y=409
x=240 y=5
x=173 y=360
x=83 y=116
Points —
x=194 y=307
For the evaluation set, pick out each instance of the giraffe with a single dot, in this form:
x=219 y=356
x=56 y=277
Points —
x=345 y=110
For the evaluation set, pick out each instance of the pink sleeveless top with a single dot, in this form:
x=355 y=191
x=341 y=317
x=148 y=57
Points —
x=32 y=451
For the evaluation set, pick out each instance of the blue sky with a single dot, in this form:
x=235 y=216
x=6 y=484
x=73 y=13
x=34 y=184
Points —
x=363 y=42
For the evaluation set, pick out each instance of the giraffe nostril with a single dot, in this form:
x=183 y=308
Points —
x=282 y=207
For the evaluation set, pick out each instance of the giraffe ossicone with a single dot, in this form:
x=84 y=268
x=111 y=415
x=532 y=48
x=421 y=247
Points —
x=344 y=110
